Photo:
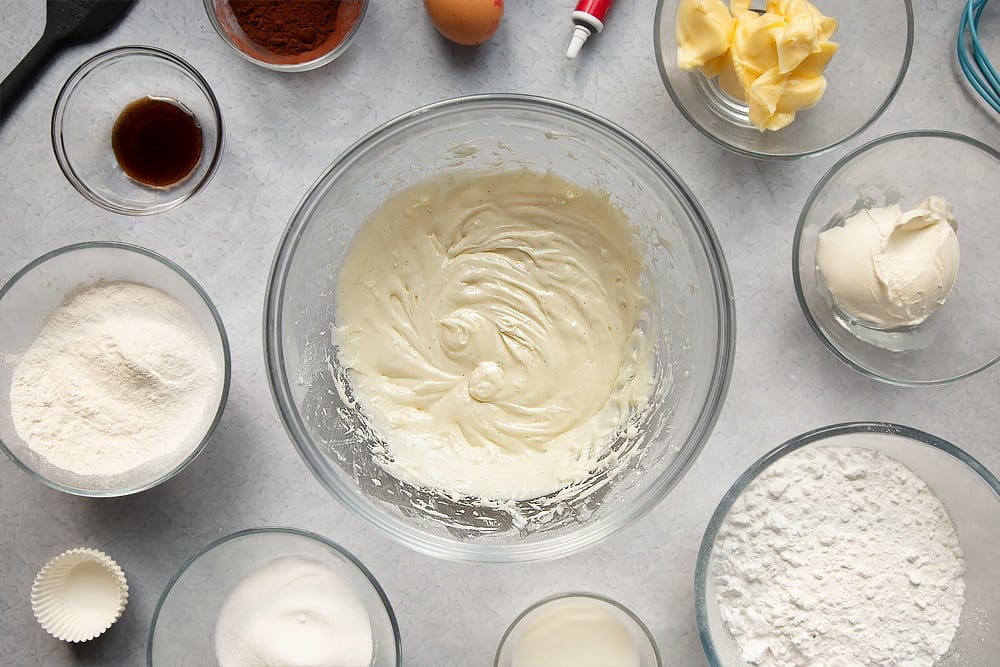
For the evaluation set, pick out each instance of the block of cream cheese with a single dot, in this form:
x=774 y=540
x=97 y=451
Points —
x=891 y=268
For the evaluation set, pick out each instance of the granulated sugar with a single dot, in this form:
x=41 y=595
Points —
x=296 y=612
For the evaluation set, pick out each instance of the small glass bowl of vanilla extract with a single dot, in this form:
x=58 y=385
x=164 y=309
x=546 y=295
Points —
x=137 y=130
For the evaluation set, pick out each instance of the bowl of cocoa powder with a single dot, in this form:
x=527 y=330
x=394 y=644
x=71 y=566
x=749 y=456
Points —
x=287 y=35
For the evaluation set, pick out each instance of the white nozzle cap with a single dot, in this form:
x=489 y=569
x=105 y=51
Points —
x=580 y=35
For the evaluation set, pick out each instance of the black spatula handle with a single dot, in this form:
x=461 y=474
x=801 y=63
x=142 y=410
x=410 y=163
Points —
x=66 y=22
x=22 y=77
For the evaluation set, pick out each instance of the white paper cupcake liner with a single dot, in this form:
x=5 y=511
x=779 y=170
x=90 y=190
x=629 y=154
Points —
x=79 y=594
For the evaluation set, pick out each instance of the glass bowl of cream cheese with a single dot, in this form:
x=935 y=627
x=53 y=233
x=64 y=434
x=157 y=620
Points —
x=782 y=79
x=894 y=258
x=274 y=596
x=864 y=543
x=499 y=328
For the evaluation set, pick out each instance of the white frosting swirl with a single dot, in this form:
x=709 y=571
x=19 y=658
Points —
x=492 y=327
x=890 y=268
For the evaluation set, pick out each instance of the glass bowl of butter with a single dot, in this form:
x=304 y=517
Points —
x=499 y=328
x=894 y=258
x=782 y=79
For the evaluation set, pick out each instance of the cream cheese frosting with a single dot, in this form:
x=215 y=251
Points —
x=493 y=327
x=888 y=267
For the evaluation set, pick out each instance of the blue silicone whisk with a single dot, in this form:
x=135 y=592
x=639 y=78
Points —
x=972 y=58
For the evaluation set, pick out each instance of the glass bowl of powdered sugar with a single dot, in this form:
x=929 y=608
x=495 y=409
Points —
x=114 y=368
x=274 y=596
x=854 y=544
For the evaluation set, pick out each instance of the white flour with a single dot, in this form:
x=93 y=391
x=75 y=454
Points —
x=839 y=557
x=120 y=380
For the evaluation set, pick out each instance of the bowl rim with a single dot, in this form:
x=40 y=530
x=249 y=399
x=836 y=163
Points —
x=704 y=556
x=185 y=190
x=275 y=530
x=220 y=331
x=546 y=548
x=658 y=49
x=603 y=599
x=814 y=194
x=319 y=61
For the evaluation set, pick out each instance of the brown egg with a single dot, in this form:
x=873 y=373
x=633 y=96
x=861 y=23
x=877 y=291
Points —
x=468 y=22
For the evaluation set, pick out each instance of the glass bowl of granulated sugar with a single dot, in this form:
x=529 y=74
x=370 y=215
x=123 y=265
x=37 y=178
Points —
x=114 y=369
x=854 y=544
x=274 y=596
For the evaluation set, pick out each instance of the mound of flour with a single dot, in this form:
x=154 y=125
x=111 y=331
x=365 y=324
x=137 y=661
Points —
x=118 y=385
x=839 y=556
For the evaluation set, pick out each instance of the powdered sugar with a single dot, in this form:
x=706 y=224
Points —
x=839 y=557
x=118 y=385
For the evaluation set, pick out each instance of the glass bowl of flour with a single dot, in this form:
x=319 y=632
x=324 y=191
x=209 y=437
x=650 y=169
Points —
x=856 y=544
x=114 y=368
x=499 y=328
x=274 y=596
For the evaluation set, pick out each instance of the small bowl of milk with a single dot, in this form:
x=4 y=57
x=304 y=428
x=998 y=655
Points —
x=577 y=630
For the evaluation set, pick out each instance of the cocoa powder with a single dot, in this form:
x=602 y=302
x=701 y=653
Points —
x=295 y=30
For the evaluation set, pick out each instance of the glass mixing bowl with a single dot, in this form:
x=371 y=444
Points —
x=691 y=310
x=876 y=40
x=968 y=491
x=959 y=339
x=183 y=627
x=30 y=297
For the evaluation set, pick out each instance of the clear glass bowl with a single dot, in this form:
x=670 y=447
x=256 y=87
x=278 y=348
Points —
x=351 y=13
x=183 y=626
x=30 y=296
x=968 y=491
x=692 y=312
x=642 y=639
x=959 y=338
x=876 y=40
x=89 y=104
